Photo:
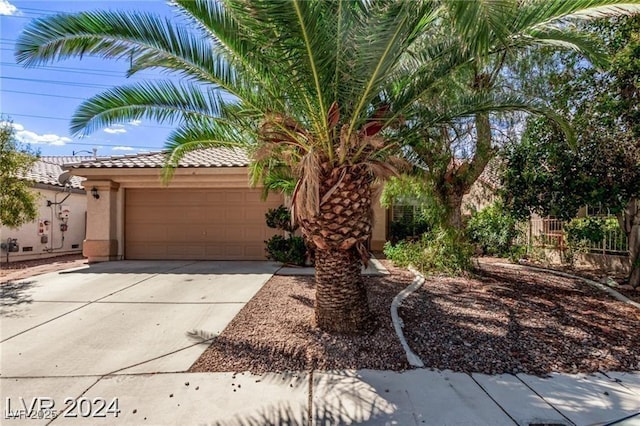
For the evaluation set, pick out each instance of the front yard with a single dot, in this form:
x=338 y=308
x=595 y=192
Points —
x=497 y=321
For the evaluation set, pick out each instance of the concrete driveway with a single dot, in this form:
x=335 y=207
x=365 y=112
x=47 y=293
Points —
x=121 y=317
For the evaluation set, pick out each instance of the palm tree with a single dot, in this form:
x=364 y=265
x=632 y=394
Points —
x=314 y=85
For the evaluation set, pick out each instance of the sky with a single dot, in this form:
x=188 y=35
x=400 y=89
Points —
x=42 y=100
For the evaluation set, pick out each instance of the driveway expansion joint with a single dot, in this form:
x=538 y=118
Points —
x=89 y=303
x=545 y=400
x=204 y=341
x=515 y=422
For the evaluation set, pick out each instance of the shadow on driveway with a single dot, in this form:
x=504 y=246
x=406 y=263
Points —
x=15 y=293
x=198 y=267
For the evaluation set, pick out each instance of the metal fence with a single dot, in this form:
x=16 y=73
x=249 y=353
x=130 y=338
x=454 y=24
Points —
x=549 y=233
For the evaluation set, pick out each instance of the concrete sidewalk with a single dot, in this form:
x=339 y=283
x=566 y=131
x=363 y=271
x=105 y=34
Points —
x=416 y=397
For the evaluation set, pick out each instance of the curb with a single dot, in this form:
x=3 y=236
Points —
x=596 y=284
x=414 y=360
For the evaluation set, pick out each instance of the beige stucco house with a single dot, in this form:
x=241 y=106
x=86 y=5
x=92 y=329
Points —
x=60 y=226
x=206 y=212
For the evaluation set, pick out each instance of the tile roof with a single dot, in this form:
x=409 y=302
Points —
x=207 y=157
x=490 y=176
x=47 y=169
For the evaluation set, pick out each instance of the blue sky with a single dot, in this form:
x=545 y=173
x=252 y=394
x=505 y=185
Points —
x=41 y=101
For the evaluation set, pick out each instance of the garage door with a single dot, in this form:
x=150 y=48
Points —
x=202 y=224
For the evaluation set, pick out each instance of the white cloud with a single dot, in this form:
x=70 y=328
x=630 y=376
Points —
x=122 y=148
x=135 y=122
x=7 y=8
x=29 y=137
x=115 y=129
x=16 y=126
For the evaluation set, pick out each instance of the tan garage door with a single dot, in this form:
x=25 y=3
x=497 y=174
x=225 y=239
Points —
x=208 y=224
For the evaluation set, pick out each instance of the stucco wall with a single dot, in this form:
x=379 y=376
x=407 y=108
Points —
x=480 y=196
x=28 y=236
x=379 y=231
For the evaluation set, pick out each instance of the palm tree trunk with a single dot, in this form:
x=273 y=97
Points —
x=339 y=231
x=341 y=298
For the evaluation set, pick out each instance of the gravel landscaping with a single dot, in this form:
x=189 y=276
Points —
x=496 y=321
x=28 y=268
x=275 y=332
x=511 y=321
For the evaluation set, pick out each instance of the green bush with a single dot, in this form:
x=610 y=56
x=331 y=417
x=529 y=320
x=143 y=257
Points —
x=494 y=230
x=439 y=250
x=280 y=218
x=290 y=250
x=585 y=232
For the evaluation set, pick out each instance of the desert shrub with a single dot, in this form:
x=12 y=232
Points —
x=494 y=230
x=585 y=233
x=280 y=218
x=440 y=250
x=292 y=249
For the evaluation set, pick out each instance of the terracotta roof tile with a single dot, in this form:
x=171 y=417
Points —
x=490 y=176
x=208 y=157
x=47 y=169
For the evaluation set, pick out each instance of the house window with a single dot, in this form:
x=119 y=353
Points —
x=598 y=210
x=403 y=213
x=406 y=221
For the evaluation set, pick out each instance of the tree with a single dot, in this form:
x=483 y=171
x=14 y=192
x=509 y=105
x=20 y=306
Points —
x=17 y=201
x=314 y=85
x=546 y=175
x=487 y=86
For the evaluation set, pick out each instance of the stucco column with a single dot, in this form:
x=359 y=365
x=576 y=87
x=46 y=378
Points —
x=101 y=243
x=379 y=231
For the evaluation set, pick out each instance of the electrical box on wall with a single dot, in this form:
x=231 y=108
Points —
x=64 y=212
x=11 y=245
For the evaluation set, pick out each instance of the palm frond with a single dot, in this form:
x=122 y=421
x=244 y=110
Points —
x=115 y=35
x=393 y=32
x=567 y=39
x=555 y=12
x=162 y=101
x=470 y=105
x=481 y=23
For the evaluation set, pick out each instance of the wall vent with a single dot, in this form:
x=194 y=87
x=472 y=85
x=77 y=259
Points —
x=75 y=246
x=27 y=248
